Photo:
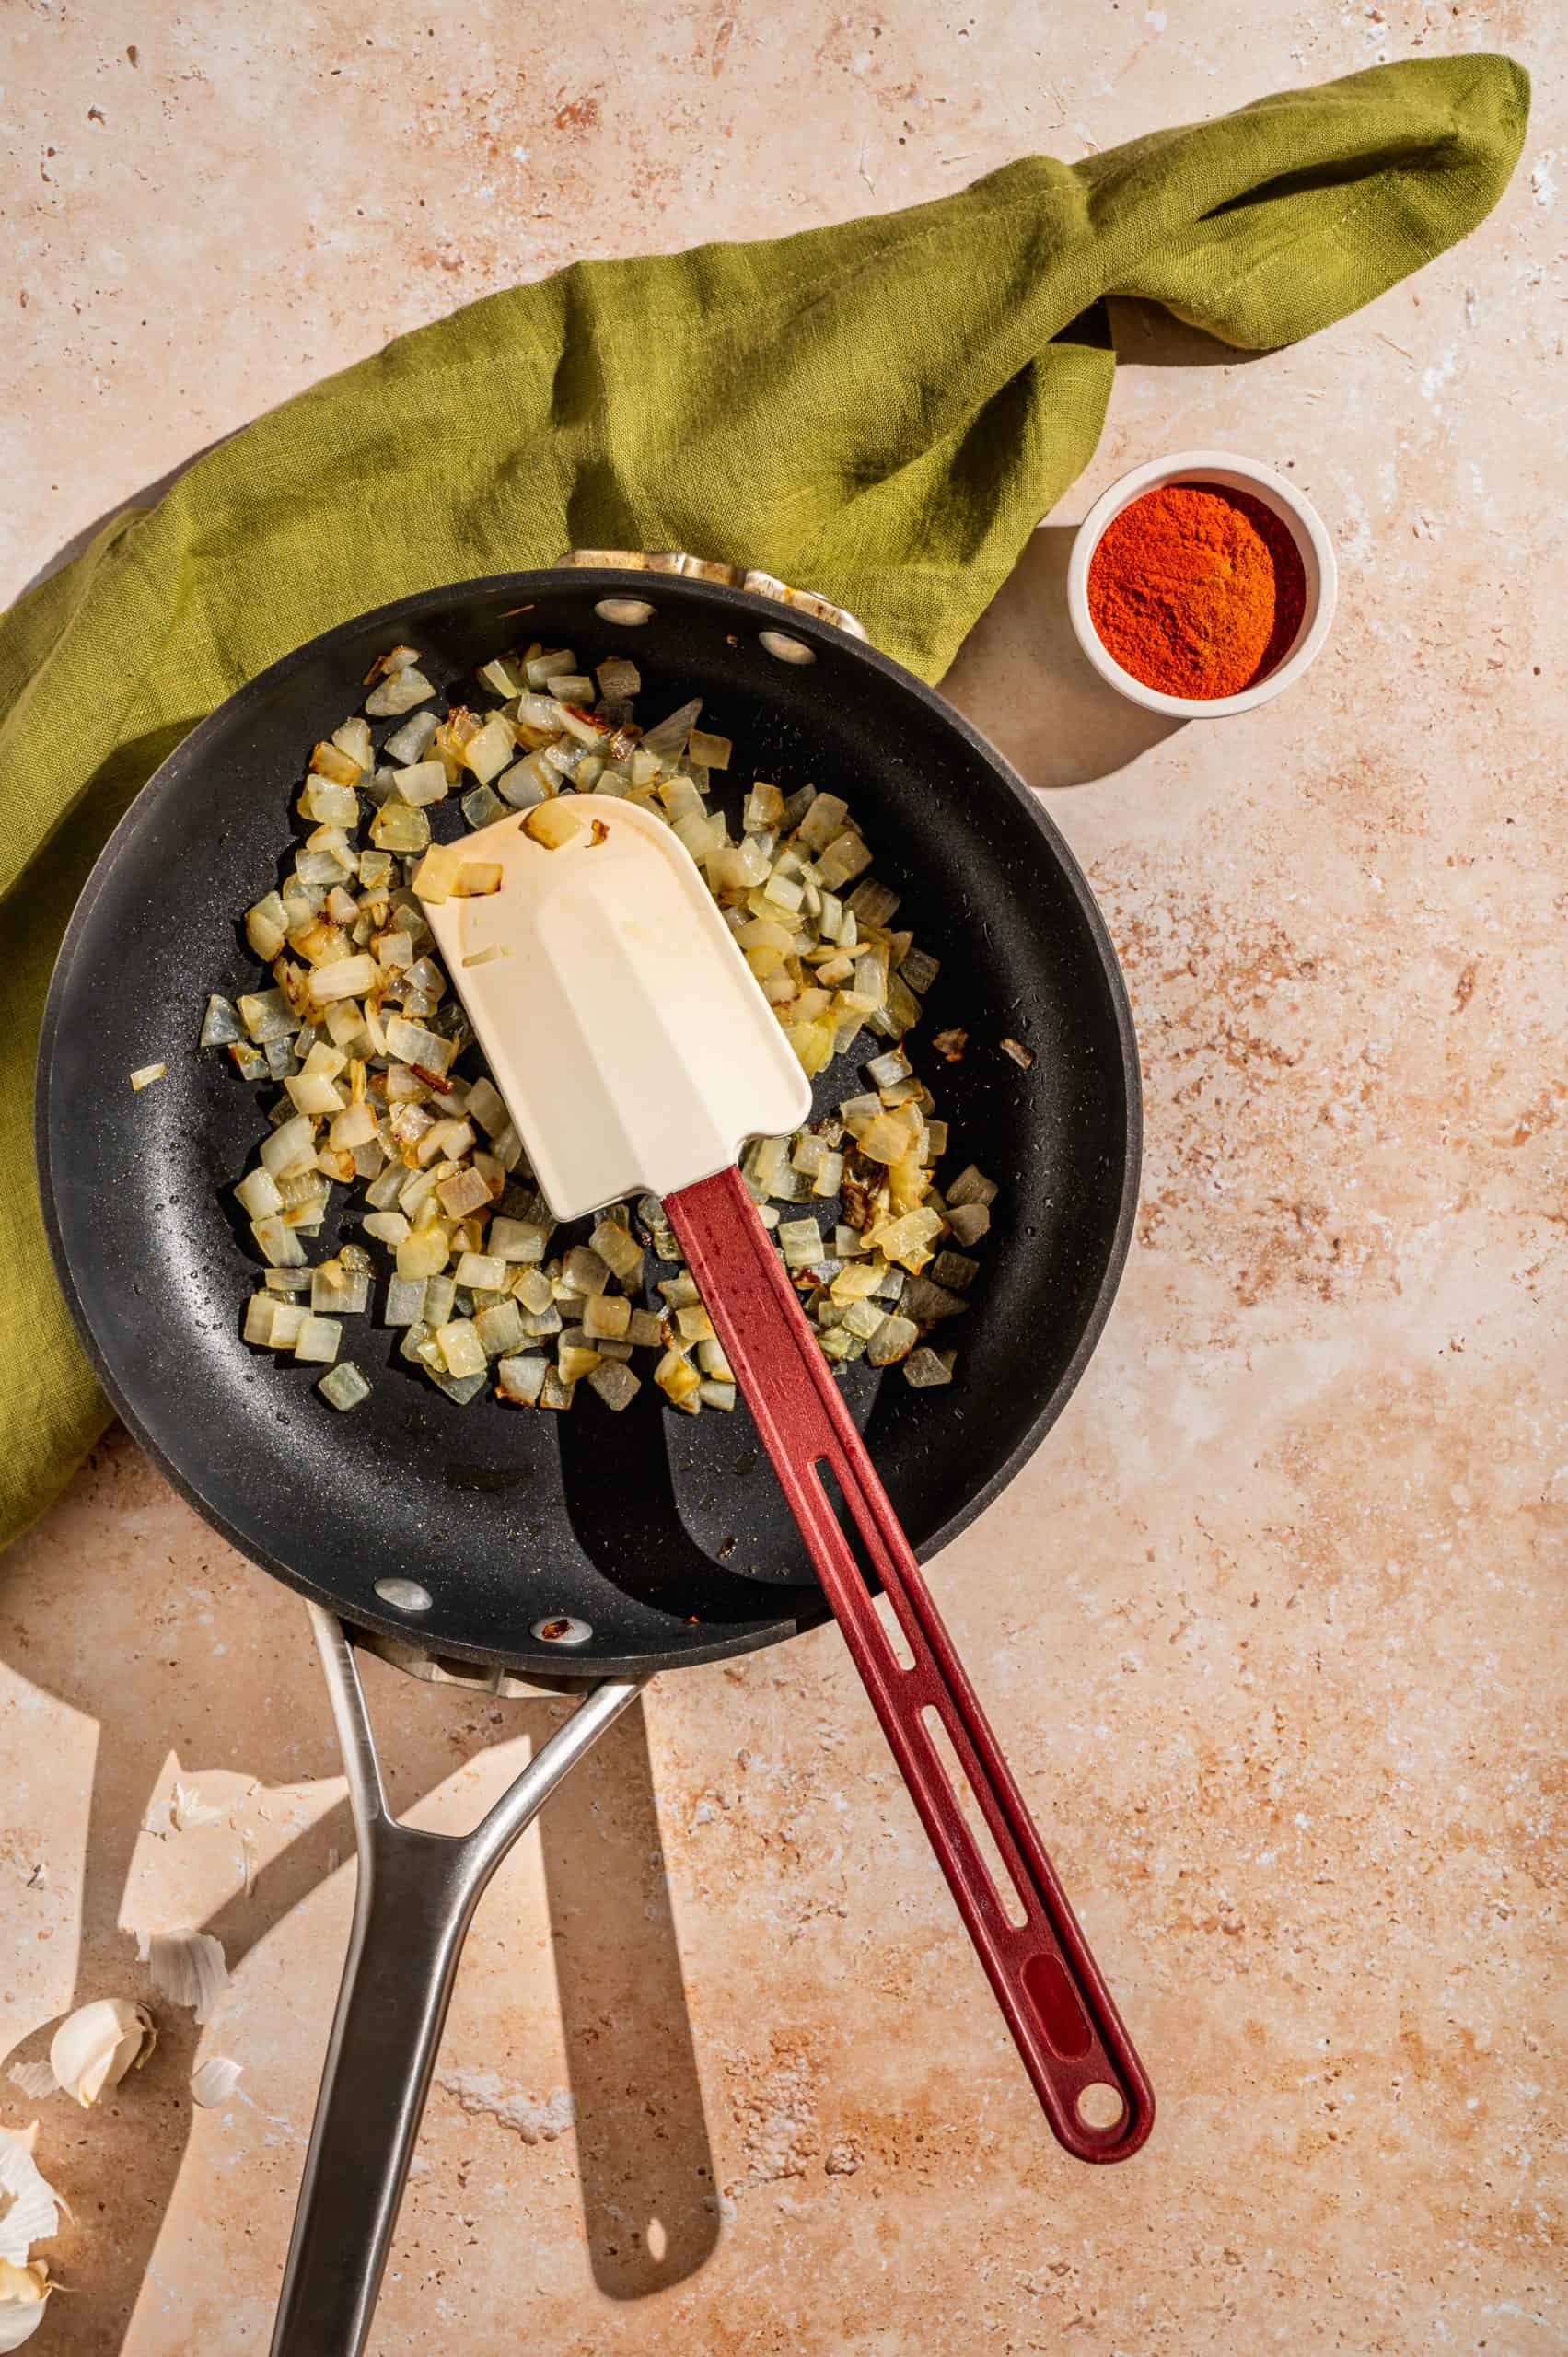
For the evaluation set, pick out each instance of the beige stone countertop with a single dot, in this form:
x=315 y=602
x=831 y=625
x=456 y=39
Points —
x=1271 y=1624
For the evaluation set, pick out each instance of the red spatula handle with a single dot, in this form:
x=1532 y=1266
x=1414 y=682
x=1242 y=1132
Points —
x=1047 y=1983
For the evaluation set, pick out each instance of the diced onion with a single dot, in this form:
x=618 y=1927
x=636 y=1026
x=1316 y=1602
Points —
x=398 y=691
x=344 y=1386
x=607 y=1316
x=408 y=744
x=344 y=979
x=319 y=1338
x=552 y=824
x=357 y=1021
x=460 y=1347
x=522 y=1378
x=614 y=1383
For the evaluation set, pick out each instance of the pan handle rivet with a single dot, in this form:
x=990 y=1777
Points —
x=629 y=614
x=784 y=649
x=404 y=1596
x=562 y=1630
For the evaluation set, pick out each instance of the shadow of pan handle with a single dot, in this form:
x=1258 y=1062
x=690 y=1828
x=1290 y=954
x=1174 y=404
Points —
x=649 y=2201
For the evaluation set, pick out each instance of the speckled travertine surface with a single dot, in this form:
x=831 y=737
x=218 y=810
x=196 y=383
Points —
x=1272 y=1623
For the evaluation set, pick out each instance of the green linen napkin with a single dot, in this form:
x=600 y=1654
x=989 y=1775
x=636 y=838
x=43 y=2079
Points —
x=881 y=411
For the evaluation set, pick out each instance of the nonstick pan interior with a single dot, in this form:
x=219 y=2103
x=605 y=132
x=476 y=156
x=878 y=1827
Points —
x=664 y=1534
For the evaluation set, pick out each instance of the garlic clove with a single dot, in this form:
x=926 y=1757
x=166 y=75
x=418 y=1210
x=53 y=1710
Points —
x=213 y=2082
x=24 y=2291
x=95 y=2047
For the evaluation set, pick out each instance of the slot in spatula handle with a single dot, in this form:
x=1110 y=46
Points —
x=1046 y=1981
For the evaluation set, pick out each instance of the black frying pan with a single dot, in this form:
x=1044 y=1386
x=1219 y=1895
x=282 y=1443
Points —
x=652 y=1541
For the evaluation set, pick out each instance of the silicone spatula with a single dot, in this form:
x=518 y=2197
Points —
x=637 y=1052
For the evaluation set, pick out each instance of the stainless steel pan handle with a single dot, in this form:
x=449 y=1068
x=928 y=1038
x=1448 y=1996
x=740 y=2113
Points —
x=417 y=1896
x=734 y=576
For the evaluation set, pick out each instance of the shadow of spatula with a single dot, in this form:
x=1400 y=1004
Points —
x=637 y=1052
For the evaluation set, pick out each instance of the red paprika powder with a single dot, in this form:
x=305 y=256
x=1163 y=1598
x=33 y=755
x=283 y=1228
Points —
x=1197 y=590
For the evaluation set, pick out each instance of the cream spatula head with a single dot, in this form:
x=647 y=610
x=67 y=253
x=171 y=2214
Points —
x=617 y=1013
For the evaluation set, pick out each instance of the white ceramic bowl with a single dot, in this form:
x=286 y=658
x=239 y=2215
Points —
x=1223 y=468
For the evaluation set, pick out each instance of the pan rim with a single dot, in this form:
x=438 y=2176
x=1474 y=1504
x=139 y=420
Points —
x=404 y=613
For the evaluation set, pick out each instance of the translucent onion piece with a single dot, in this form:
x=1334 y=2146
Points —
x=972 y=1187
x=398 y=691
x=614 y=1383
x=482 y=1269
x=667 y=737
x=405 y=1300
x=610 y=1316
x=462 y=1350
x=489 y=753
x=677 y=1378
x=504 y=677
x=521 y=786
x=220 y=1024
x=575 y=1359
x=549 y=664
x=553 y=824
x=407 y=745
x=258 y=1193
x=522 y=1379
x=422 y=1051
x=481 y=807
x=500 y=1329
x=891 y=1340
x=345 y=1387
x=398 y=826
x=346 y=978
x=277 y=1243
x=317 y=1340
x=345 y=1293
x=421 y=783
x=584 y=1270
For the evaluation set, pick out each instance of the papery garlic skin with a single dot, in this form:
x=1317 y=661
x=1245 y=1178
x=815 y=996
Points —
x=29 y=2207
x=188 y=1968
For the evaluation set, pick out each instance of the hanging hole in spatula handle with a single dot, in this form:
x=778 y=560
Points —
x=1091 y=2086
